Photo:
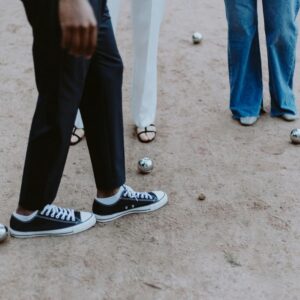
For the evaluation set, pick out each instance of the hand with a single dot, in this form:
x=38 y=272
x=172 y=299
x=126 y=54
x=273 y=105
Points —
x=78 y=26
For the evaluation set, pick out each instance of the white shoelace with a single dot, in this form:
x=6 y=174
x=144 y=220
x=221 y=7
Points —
x=129 y=192
x=65 y=214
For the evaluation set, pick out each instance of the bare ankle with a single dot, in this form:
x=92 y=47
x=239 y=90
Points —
x=107 y=193
x=24 y=212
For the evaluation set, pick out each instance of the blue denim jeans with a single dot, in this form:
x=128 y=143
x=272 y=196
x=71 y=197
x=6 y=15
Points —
x=246 y=88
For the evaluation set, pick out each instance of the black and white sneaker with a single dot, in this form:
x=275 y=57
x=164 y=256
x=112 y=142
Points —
x=130 y=202
x=51 y=221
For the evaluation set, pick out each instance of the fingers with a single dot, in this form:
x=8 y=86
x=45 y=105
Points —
x=80 y=40
x=84 y=40
x=78 y=26
x=75 y=42
x=66 y=37
x=88 y=41
x=92 y=41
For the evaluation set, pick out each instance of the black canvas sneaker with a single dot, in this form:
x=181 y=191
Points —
x=130 y=202
x=51 y=221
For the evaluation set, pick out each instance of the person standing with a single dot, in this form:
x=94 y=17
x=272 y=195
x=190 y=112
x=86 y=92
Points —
x=77 y=63
x=147 y=16
x=246 y=88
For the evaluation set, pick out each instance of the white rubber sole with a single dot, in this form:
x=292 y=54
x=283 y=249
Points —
x=289 y=117
x=248 y=121
x=137 y=210
x=59 y=232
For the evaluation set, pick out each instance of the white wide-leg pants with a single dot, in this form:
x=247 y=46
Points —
x=78 y=121
x=147 y=16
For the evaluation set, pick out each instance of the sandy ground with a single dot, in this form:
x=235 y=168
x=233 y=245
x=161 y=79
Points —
x=242 y=242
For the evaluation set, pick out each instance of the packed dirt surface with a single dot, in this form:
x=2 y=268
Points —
x=241 y=242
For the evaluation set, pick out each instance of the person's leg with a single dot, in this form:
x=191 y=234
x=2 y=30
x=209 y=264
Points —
x=281 y=34
x=147 y=17
x=244 y=58
x=78 y=130
x=101 y=109
x=60 y=80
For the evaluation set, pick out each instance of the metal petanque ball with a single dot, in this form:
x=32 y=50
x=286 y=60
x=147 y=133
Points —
x=197 y=37
x=3 y=233
x=295 y=136
x=145 y=165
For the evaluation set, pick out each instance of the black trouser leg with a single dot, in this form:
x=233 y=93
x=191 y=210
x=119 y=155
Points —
x=101 y=110
x=61 y=81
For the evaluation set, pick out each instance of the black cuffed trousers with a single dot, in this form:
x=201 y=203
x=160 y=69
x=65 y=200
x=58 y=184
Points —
x=66 y=83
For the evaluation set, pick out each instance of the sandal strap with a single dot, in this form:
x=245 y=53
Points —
x=74 y=134
x=146 y=130
x=151 y=125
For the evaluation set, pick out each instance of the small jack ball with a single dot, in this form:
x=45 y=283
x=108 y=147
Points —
x=295 y=136
x=197 y=37
x=3 y=233
x=201 y=197
x=145 y=165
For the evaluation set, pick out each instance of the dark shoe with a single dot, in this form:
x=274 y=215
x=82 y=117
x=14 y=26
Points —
x=52 y=221
x=130 y=202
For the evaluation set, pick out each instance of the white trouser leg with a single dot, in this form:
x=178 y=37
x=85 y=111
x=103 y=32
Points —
x=78 y=121
x=114 y=9
x=147 y=16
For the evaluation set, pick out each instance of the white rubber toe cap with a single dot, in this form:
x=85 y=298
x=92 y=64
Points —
x=160 y=195
x=85 y=216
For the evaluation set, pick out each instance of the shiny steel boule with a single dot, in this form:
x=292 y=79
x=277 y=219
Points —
x=295 y=136
x=197 y=37
x=145 y=165
x=3 y=233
